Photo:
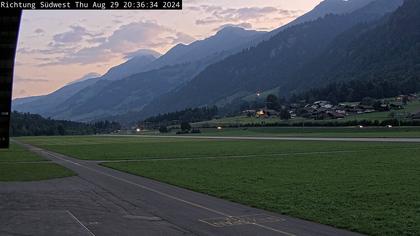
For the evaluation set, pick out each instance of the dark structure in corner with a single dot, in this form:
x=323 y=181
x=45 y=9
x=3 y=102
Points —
x=9 y=30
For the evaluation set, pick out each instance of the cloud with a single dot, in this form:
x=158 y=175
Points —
x=181 y=38
x=97 y=40
x=20 y=93
x=141 y=34
x=74 y=35
x=18 y=79
x=219 y=15
x=39 y=31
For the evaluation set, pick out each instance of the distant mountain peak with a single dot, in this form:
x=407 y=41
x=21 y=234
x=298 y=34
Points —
x=143 y=53
x=233 y=30
x=230 y=28
x=88 y=76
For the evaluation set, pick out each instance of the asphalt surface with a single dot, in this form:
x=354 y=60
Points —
x=102 y=201
x=390 y=140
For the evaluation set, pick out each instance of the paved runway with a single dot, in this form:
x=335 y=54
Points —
x=102 y=201
x=390 y=140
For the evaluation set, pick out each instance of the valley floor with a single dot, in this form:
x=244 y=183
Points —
x=102 y=201
x=368 y=187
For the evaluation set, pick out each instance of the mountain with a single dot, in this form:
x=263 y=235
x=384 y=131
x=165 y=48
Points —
x=139 y=62
x=43 y=104
x=379 y=60
x=326 y=7
x=109 y=98
x=218 y=45
x=222 y=42
x=269 y=65
x=110 y=95
x=86 y=77
x=148 y=83
x=337 y=7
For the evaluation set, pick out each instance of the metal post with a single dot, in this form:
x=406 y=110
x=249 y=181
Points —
x=9 y=30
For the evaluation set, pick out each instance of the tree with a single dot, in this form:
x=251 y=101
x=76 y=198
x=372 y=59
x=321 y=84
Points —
x=272 y=102
x=245 y=106
x=163 y=129
x=26 y=124
x=185 y=126
x=61 y=130
x=284 y=114
x=405 y=100
x=368 y=101
x=187 y=115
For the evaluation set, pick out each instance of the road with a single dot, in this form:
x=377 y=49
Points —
x=389 y=140
x=102 y=201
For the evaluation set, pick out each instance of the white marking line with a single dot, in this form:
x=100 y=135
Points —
x=245 y=156
x=142 y=186
x=159 y=193
x=227 y=157
x=80 y=223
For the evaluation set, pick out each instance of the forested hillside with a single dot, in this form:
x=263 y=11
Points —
x=380 y=60
x=25 y=124
x=271 y=64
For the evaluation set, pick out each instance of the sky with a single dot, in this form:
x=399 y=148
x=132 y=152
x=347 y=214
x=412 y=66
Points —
x=58 y=47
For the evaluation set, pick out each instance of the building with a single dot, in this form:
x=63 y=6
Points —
x=416 y=116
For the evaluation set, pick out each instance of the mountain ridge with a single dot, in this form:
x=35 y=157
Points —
x=269 y=64
x=129 y=93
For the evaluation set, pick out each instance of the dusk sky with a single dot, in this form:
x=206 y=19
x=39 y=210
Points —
x=58 y=47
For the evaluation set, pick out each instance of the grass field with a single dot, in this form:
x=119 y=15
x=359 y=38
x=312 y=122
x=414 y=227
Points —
x=18 y=164
x=141 y=148
x=371 y=188
x=345 y=132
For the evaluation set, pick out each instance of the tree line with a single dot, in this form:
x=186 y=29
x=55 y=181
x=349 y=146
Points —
x=356 y=90
x=26 y=124
x=189 y=115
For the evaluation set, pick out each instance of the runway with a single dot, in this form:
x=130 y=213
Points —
x=102 y=201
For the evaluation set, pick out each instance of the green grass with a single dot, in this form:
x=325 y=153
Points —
x=16 y=166
x=344 y=132
x=20 y=172
x=140 y=148
x=17 y=154
x=369 y=191
x=323 y=132
x=371 y=188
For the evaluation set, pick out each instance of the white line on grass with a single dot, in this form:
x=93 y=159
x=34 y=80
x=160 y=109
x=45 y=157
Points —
x=145 y=159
